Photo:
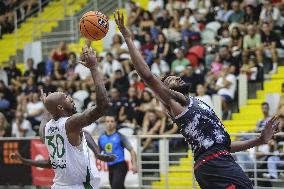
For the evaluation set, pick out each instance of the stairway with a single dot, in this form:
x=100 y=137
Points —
x=33 y=27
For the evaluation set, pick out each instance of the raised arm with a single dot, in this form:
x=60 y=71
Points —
x=45 y=118
x=76 y=122
x=163 y=93
x=267 y=133
x=30 y=162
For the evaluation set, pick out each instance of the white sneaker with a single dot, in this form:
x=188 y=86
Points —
x=268 y=176
x=274 y=68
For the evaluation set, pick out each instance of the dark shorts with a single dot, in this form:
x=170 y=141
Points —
x=220 y=172
x=227 y=98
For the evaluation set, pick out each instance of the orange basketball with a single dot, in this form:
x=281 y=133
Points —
x=94 y=25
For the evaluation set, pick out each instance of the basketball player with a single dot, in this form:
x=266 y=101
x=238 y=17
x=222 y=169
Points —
x=66 y=143
x=47 y=163
x=214 y=166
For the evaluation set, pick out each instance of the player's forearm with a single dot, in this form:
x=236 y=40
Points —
x=36 y=163
x=101 y=93
x=139 y=64
x=91 y=143
x=237 y=146
x=133 y=157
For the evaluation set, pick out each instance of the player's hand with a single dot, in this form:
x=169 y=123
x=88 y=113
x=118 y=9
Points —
x=119 y=20
x=134 y=169
x=269 y=130
x=88 y=57
x=42 y=96
x=15 y=156
x=106 y=158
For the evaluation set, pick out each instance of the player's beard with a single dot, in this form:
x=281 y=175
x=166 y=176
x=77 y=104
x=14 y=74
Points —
x=184 y=88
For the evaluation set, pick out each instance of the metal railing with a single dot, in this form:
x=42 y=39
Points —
x=169 y=161
x=156 y=165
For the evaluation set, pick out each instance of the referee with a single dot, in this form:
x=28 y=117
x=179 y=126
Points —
x=113 y=142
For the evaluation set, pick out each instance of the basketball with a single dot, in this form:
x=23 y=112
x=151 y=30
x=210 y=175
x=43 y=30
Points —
x=94 y=25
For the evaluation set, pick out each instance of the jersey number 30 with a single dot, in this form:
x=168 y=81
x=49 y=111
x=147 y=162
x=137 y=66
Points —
x=57 y=144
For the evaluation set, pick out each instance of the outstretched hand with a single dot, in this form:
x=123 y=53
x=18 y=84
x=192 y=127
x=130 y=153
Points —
x=269 y=130
x=42 y=96
x=88 y=57
x=119 y=20
x=15 y=156
x=106 y=158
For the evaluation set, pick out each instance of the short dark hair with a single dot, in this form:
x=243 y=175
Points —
x=264 y=103
x=110 y=113
x=165 y=77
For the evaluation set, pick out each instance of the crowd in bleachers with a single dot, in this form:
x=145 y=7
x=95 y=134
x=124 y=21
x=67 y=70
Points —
x=11 y=8
x=207 y=42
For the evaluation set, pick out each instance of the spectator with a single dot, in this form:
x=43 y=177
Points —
x=202 y=96
x=72 y=63
x=162 y=47
x=147 y=48
x=251 y=45
x=163 y=22
x=5 y=129
x=146 y=22
x=31 y=71
x=116 y=102
x=188 y=19
x=270 y=14
x=250 y=17
x=151 y=125
x=250 y=70
x=236 y=42
x=115 y=45
x=136 y=82
x=146 y=101
x=238 y=15
x=191 y=78
x=48 y=85
x=110 y=65
x=21 y=127
x=31 y=86
x=270 y=43
x=128 y=114
x=226 y=87
x=160 y=67
x=60 y=55
x=227 y=58
x=120 y=82
x=225 y=38
x=90 y=100
x=273 y=162
x=155 y=4
x=7 y=99
x=223 y=11
x=266 y=117
x=58 y=72
x=180 y=63
x=173 y=32
x=13 y=72
x=34 y=110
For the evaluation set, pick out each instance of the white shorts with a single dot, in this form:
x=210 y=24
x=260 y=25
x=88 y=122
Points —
x=95 y=183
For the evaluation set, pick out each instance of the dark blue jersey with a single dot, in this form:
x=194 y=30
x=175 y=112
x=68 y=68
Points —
x=201 y=127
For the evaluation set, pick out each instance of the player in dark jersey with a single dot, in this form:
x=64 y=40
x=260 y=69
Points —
x=214 y=166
